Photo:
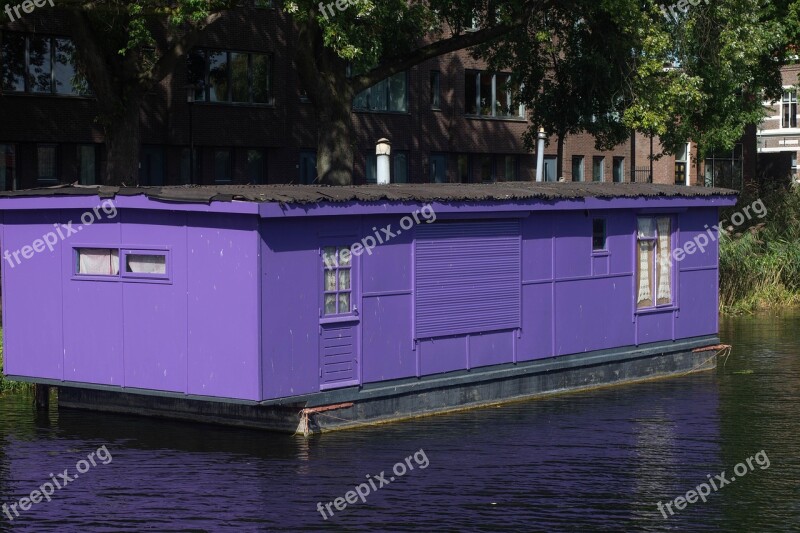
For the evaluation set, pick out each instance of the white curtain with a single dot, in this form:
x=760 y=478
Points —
x=664 y=268
x=645 y=290
x=98 y=262
x=146 y=264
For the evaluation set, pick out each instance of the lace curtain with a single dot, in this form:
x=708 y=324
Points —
x=664 y=268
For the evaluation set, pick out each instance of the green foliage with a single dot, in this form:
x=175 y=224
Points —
x=6 y=385
x=760 y=264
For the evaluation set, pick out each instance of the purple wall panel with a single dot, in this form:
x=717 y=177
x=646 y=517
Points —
x=93 y=319
x=442 y=355
x=291 y=307
x=654 y=327
x=698 y=304
x=388 y=269
x=223 y=274
x=387 y=348
x=491 y=348
x=32 y=299
x=537 y=247
x=537 y=322
x=156 y=313
x=693 y=226
x=593 y=323
x=573 y=245
x=620 y=226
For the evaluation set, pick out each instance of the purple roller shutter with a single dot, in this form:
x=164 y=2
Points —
x=467 y=278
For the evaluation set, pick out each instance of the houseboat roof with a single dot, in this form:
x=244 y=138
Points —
x=444 y=193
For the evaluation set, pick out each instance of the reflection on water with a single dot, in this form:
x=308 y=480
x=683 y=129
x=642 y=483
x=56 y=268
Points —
x=596 y=461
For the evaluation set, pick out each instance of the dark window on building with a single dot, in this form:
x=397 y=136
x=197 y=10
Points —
x=256 y=167
x=550 y=168
x=438 y=168
x=599 y=235
x=486 y=167
x=464 y=168
x=389 y=95
x=789 y=109
x=599 y=168
x=490 y=95
x=190 y=174
x=152 y=166
x=222 y=166
x=46 y=162
x=372 y=168
x=40 y=64
x=577 y=168
x=619 y=169
x=511 y=168
x=220 y=76
x=263 y=3
x=308 y=167
x=400 y=167
x=436 y=88
x=87 y=164
x=724 y=169
x=8 y=166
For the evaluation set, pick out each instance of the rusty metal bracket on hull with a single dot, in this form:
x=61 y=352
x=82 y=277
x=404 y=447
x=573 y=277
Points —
x=306 y=413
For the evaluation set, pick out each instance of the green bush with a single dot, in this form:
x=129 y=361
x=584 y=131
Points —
x=760 y=262
x=6 y=385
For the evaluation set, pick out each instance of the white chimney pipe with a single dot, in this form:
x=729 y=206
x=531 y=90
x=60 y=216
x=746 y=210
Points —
x=383 y=150
x=540 y=156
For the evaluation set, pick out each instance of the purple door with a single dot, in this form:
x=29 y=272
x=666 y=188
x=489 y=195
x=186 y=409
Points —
x=339 y=341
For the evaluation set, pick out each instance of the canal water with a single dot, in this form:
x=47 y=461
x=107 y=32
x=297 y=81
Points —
x=597 y=461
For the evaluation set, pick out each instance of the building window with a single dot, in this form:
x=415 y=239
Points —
x=7 y=167
x=87 y=164
x=438 y=168
x=190 y=166
x=550 y=168
x=255 y=166
x=144 y=264
x=222 y=166
x=599 y=235
x=389 y=95
x=46 y=162
x=337 y=269
x=599 y=169
x=400 y=167
x=724 y=169
x=41 y=65
x=577 y=168
x=221 y=76
x=263 y=3
x=464 y=168
x=308 y=167
x=486 y=168
x=491 y=95
x=97 y=261
x=436 y=87
x=619 y=169
x=654 y=265
x=789 y=109
x=511 y=168
x=372 y=168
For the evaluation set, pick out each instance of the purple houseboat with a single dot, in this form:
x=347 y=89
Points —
x=303 y=308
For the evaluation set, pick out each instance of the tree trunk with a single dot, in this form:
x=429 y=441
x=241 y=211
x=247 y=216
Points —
x=122 y=147
x=335 y=139
x=560 y=157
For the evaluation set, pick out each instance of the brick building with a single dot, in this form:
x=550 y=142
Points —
x=238 y=101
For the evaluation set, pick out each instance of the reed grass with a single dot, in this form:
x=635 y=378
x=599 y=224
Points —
x=760 y=262
x=5 y=384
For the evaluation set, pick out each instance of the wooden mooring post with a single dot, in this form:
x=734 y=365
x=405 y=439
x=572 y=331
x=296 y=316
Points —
x=41 y=397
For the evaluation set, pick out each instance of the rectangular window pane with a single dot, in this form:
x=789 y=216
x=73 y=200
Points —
x=470 y=93
x=262 y=79
x=378 y=96
x=98 y=261
x=330 y=304
x=240 y=84
x=344 y=280
x=435 y=89
x=344 y=303
x=308 y=167
x=372 y=168
x=218 y=76
x=46 y=162
x=487 y=168
x=463 y=168
x=222 y=166
x=619 y=170
x=39 y=66
x=485 y=94
x=511 y=168
x=146 y=264
x=644 y=274
x=196 y=66
x=86 y=165
x=577 y=168
x=598 y=234
x=503 y=104
x=398 y=94
x=7 y=167
x=255 y=166
x=330 y=281
x=13 y=62
x=599 y=169
x=664 y=266
x=400 y=167
x=67 y=78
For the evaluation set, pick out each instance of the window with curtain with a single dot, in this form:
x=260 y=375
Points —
x=654 y=265
x=337 y=267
